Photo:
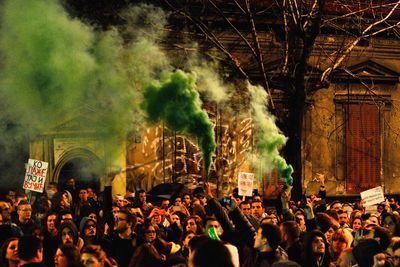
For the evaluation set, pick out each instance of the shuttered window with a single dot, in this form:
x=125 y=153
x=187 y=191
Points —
x=362 y=147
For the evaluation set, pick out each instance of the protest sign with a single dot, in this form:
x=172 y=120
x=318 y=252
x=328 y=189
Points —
x=35 y=175
x=245 y=183
x=372 y=196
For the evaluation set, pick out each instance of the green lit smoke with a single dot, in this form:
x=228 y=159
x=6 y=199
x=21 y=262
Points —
x=267 y=137
x=176 y=102
x=54 y=66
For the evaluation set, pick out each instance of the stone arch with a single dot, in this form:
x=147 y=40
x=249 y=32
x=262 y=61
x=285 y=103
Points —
x=79 y=163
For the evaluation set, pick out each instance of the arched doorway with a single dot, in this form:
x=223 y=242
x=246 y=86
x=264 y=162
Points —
x=80 y=164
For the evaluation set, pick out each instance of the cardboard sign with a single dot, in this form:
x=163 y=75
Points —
x=245 y=183
x=35 y=175
x=372 y=196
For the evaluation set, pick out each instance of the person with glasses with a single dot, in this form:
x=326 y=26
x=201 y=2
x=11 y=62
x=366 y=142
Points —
x=25 y=220
x=153 y=250
x=123 y=238
x=89 y=232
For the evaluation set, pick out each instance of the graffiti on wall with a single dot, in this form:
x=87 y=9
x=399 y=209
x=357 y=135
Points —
x=163 y=156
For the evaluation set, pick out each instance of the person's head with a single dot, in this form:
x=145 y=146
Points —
x=71 y=183
x=24 y=211
x=211 y=253
x=83 y=194
x=65 y=216
x=356 y=224
x=51 y=219
x=290 y=231
x=30 y=249
x=67 y=255
x=94 y=256
x=178 y=200
x=88 y=228
x=373 y=219
x=391 y=221
x=270 y=218
x=396 y=253
x=156 y=216
x=343 y=217
x=315 y=246
x=175 y=218
x=51 y=190
x=92 y=215
x=142 y=196
x=257 y=197
x=300 y=219
x=257 y=208
x=187 y=199
x=150 y=232
x=335 y=205
x=6 y=209
x=245 y=207
x=125 y=221
x=268 y=237
x=186 y=237
x=212 y=222
x=341 y=240
x=165 y=204
x=68 y=233
x=9 y=251
x=195 y=224
x=327 y=224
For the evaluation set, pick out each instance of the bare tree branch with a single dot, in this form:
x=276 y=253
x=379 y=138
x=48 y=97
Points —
x=357 y=12
x=326 y=74
x=260 y=59
x=234 y=28
x=214 y=39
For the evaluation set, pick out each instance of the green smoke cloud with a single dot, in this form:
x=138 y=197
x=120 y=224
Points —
x=54 y=66
x=267 y=137
x=176 y=102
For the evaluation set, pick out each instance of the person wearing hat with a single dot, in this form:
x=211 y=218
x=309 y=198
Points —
x=315 y=250
x=68 y=234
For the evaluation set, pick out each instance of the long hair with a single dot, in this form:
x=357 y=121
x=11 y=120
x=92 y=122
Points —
x=309 y=258
x=72 y=255
x=3 y=260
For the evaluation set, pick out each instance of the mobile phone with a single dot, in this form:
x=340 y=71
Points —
x=227 y=200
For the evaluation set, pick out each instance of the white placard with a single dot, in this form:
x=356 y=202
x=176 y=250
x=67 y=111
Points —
x=372 y=196
x=35 y=175
x=245 y=183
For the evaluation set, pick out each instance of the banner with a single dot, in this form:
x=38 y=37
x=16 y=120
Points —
x=245 y=183
x=35 y=175
x=372 y=196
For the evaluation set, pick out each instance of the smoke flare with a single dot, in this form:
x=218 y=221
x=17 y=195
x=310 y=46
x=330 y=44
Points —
x=268 y=139
x=176 y=102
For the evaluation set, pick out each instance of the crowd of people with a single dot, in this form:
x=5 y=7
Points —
x=74 y=225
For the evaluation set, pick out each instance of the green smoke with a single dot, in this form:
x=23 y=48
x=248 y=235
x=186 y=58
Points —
x=176 y=102
x=267 y=137
x=54 y=66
